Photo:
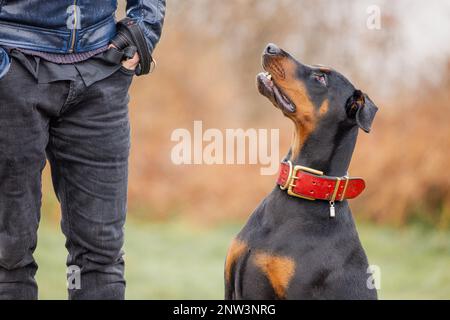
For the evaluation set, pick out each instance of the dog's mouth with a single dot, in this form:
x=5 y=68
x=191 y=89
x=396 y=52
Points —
x=270 y=90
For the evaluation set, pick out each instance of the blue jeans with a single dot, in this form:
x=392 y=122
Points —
x=84 y=132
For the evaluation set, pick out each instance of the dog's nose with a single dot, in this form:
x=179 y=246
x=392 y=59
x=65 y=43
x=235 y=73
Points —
x=272 y=49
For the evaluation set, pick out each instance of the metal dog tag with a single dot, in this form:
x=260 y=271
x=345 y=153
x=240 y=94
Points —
x=332 y=210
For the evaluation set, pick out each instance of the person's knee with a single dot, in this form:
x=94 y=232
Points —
x=15 y=254
x=89 y=248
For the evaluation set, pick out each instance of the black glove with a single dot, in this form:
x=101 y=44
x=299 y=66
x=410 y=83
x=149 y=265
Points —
x=131 y=39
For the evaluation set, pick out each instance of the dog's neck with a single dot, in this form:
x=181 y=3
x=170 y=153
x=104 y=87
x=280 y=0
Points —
x=330 y=152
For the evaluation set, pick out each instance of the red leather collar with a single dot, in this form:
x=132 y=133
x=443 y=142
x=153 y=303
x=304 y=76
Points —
x=311 y=184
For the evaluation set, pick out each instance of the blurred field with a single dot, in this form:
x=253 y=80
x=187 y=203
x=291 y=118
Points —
x=178 y=260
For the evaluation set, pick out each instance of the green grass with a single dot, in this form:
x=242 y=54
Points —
x=180 y=261
x=414 y=262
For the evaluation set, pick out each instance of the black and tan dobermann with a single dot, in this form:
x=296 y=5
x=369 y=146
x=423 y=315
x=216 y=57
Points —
x=301 y=242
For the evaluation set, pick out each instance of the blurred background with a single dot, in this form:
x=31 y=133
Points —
x=182 y=218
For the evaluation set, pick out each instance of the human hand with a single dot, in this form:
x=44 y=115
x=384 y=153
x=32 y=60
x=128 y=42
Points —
x=130 y=64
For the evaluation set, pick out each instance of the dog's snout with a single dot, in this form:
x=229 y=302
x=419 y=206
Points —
x=272 y=49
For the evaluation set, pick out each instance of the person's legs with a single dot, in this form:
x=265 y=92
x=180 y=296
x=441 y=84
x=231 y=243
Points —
x=23 y=139
x=88 y=151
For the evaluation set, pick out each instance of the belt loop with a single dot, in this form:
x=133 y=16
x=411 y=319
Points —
x=336 y=188
x=345 y=188
x=289 y=178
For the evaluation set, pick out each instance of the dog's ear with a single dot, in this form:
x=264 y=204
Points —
x=360 y=107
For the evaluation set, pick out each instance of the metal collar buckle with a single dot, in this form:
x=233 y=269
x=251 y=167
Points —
x=292 y=177
x=338 y=193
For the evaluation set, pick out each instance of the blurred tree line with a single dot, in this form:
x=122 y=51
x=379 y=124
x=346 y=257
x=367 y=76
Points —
x=207 y=62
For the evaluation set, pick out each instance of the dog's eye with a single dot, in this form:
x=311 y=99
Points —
x=321 y=78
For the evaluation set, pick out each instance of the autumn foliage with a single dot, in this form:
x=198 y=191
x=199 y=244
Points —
x=207 y=62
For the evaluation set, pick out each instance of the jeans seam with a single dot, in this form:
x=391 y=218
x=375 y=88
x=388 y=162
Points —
x=61 y=171
x=69 y=98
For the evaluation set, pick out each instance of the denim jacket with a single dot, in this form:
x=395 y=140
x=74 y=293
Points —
x=67 y=26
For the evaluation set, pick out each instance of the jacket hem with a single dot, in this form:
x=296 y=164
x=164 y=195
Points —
x=56 y=41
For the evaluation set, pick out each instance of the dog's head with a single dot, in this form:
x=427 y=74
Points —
x=316 y=98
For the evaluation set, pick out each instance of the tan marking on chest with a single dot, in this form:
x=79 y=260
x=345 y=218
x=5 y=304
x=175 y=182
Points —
x=278 y=269
x=237 y=248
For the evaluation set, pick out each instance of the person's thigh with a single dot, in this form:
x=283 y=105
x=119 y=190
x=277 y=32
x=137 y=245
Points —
x=23 y=138
x=88 y=151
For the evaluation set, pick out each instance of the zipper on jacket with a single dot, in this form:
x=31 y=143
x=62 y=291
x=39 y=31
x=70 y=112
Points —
x=74 y=30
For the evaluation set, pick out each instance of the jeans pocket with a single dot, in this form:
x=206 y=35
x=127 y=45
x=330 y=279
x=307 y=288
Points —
x=126 y=71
